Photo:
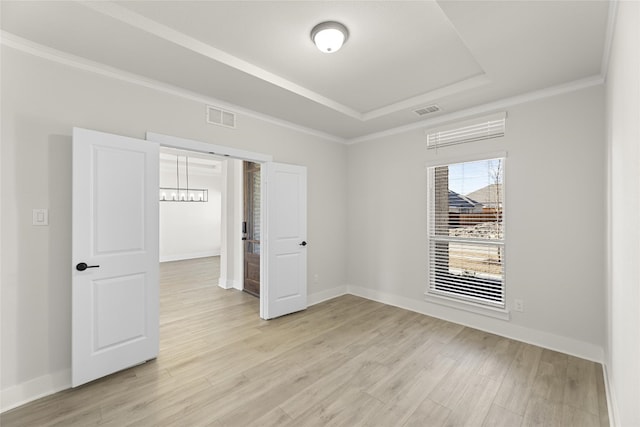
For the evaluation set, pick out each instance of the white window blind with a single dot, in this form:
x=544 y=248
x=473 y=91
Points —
x=479 y=129
x=466 y=231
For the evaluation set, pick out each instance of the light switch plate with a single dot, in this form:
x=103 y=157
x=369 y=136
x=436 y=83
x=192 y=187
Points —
x=41 y=217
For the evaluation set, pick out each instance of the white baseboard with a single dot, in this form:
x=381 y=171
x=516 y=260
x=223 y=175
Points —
x=558 y=343
x=225 y=283
x=229 y=283
x=193 y=255
x=318 y=297
x=612 y=405
x=33 y=389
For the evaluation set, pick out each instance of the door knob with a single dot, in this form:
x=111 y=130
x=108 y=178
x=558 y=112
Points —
x=83 y=266
x=303 y=243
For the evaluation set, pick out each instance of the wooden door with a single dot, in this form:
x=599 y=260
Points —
x=251 y=228
x=115 y=254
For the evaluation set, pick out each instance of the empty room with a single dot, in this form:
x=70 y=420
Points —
x=313 y=213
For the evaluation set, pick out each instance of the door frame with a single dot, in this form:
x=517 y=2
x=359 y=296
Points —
x=232 y=153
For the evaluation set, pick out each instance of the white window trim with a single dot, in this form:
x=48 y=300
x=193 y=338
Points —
x=460 y=304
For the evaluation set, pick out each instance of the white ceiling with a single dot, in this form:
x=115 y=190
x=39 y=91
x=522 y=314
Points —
x=401 y=55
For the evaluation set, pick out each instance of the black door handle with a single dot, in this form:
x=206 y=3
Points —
x=83 y=266
x=303 y=243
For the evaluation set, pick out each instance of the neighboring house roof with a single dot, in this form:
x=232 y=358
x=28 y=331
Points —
x=489 y=195
x=462 y=202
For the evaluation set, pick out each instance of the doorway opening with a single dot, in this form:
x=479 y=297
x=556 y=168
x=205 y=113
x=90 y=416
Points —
x=200 y=194
x=283 y=225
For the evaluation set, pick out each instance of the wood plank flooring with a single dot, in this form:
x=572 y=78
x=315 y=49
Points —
x=344 y=362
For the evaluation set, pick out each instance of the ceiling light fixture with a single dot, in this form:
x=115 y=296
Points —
x=329 y=36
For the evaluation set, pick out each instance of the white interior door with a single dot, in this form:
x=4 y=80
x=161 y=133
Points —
x=285 y=266
x=115 y=234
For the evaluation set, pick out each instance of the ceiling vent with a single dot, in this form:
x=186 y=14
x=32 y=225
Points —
x=220 y=117
x=427 y=110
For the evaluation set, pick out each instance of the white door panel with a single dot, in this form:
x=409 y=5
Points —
x=115 y=232
x=285 y=290
x=119 y=230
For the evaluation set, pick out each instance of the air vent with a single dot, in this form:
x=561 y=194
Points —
x=427 y=110
x=220 y=117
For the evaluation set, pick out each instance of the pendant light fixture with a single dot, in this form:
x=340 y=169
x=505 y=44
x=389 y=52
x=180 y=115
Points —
x=329 y=36
x=177 y=194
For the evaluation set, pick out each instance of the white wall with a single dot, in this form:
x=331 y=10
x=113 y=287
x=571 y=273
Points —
x=41 y=102
x=623 y=126
x=191 y=230
x=554 y=222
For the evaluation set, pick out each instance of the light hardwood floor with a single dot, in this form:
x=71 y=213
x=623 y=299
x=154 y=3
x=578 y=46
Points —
x=347 y=361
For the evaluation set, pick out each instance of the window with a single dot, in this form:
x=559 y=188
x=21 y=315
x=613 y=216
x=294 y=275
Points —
x=466 y=231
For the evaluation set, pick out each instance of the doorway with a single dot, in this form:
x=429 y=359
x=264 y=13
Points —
x=283 y=227
x=196 y=190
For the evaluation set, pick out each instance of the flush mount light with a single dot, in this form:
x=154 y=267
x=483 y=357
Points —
x=329 y=36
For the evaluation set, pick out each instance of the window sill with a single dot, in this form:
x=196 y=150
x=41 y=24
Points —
x=497 y=313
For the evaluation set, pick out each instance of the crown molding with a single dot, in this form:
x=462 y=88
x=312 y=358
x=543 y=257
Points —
x=484 y=108
x=54 y=55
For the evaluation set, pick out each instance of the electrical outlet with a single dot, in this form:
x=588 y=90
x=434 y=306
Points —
x=518 y=305
x=40 y=217
x=316 y=278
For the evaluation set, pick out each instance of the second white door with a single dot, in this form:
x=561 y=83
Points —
x=285 y=267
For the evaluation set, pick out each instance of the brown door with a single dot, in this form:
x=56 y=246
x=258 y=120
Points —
x=251 y=228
